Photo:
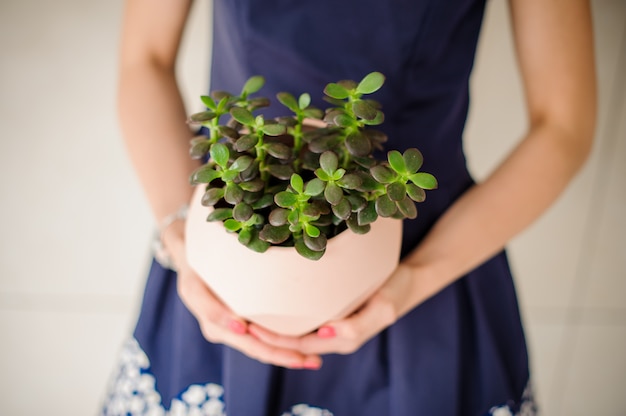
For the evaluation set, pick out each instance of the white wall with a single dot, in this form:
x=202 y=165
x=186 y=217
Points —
x=76 y=227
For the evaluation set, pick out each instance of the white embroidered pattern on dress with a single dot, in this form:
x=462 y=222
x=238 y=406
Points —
x=527 y=407
x=132 y=392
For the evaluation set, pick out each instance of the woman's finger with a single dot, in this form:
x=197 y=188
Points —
x=220 y=325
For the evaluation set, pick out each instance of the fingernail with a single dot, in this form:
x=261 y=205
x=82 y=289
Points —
x=326 y=332
x=311 y=365
x=237 y=327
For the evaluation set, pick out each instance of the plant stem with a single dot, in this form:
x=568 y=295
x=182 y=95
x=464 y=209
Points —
x=260 y=157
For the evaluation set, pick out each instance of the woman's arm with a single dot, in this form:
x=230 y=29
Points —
x=154 y=127
x=554 y=47
x=151 y=109
x=555 y=51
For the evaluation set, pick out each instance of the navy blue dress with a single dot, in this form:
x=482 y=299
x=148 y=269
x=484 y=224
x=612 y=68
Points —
x=463 y=351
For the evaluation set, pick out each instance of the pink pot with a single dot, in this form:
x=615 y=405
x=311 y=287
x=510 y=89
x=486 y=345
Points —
x=279 y=289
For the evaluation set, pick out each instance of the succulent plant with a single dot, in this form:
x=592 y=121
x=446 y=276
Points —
x=301 y=179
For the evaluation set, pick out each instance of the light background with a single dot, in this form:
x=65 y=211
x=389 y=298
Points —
x=76 y=227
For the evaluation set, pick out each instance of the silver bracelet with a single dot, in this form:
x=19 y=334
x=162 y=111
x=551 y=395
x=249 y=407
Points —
x=161 y=255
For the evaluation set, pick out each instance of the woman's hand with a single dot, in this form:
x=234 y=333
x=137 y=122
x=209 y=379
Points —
x=217 y=322
x=398 y=295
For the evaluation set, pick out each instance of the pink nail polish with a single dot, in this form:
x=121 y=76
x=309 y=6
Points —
x=326 y=332
x=237 y=327
x=311 y=365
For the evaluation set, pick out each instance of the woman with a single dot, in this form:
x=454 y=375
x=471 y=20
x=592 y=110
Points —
x=443 y=335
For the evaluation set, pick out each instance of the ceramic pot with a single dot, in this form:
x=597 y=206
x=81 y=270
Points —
x=281 y=290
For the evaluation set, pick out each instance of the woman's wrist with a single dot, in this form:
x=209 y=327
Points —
x=169 y=239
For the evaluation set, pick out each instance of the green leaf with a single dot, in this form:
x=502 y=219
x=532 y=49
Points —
x=221 y=96
x=220 y=214
x=288 y=101
x=229 y=175
x=322 y=175
x=228 y=132
x=275 y=235
x=416 y=193
x=232 y=225
x=363 y=110
x=220 y=154
x=233 y=193
x=322 y=206
x=258 y=102
x=278 y=216
x=311 y=230
x=241 y=163
x=342 y=209
x=383 y=174
x=366 y=162
x=254 y=185
x=315 y=113
x=304 y=101
x=358 y=144
x=208 y=102
x=286 y=121
x=245 y=236
x=202 y=117
x=329 y=162
x=350 y=181
x=251 y=198
x=353 y=225
x=336 y=91
x=413 y=160
x=223 y=101
x=356 y=202
x=314 y=187
x=282 y=172
x=312 y=212
x=204 y=174
x=285 y=199
x=396 y=161
x=212 y=196
x=245 y=143
x=407 y=207
x=242 y=115
x=315 y=243
x=379 y=119
x=242 y=212
x=265 y=201
x=330 y=114
x=338 y=174
x=333 y=193
x=424 y=180
x=367 y=215
x=258 y=245
x=396 y=191
x=385 y=207
x=343 y=120
x=306 y=252
x=322 y=144
x=368 y=183
x=278 y=150
x=297 y=183
x=347 y=84
x=251 y=173
x=371 y=83
x=294 y=219
x=252 y=85
x=273 y=129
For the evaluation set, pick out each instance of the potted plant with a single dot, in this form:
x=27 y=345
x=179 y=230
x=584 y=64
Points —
x=311 y=216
